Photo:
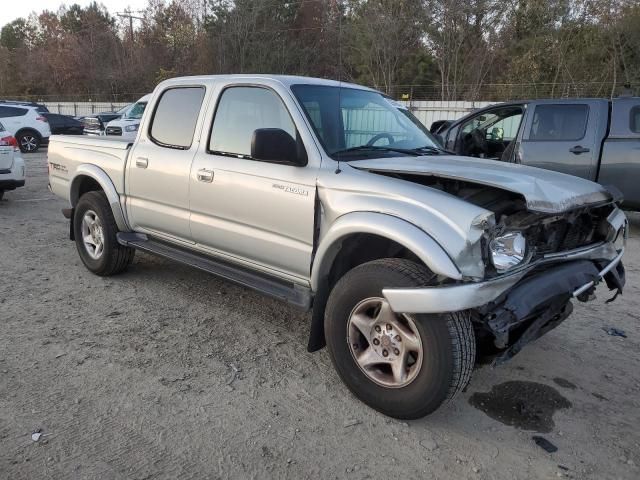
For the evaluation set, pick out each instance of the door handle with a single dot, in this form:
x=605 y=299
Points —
x=578 y=149
x=205 y=175
x=142 y=162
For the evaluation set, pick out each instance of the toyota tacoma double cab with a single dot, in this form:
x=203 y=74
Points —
x=413 y=262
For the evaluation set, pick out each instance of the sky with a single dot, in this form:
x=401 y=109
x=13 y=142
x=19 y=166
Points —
x=12 y=9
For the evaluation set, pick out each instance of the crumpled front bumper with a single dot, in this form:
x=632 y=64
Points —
x=463 y=296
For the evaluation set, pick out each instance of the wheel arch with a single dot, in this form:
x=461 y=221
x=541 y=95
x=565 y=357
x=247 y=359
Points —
x=366 y=229
x=30 y=130
x=91 y=178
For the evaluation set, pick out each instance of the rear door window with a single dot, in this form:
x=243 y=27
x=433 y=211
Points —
x=6 y=112
x=634 y=124
x=174 y=120
x=559 y=122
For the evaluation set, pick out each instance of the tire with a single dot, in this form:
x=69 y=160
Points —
x=29 y=141
x=439 y=371
x=111 y=258
x=1 y=194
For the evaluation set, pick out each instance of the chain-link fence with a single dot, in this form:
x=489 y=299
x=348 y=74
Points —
x=502 y=92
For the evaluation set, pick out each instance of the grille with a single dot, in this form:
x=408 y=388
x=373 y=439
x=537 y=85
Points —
x=114 y=130
x=568 y=233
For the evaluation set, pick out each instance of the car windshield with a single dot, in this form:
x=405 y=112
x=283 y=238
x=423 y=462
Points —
x=136 y=111
x=124 y=109
x=355 y=124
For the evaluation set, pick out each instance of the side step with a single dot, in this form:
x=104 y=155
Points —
x=294 y=294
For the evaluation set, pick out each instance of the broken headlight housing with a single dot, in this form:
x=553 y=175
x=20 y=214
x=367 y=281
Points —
x=508 y=250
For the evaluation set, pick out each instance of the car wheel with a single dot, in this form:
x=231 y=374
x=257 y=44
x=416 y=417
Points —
x=404 y=366
x=95 y=230
x=1 y=194
x=29 y=142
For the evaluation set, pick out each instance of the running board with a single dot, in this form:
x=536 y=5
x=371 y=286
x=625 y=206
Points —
x=294 y=294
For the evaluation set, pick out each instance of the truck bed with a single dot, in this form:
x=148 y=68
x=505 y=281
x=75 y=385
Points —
x=67 y=153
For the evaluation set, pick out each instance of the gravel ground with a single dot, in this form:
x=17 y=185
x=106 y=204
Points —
x=167 y=372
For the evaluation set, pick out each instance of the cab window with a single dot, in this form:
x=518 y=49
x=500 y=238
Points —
x=634 y=124
x=240 y=112
x=174 y=120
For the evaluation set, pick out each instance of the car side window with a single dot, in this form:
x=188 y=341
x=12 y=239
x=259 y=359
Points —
x=6 y=112
x=240 y=112
x=174 y=119
x=559 y=122
x=634 y=121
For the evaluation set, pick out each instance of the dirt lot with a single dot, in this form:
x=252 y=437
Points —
x=167 y=372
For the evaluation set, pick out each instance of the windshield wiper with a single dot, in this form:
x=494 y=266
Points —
x=433 y=150
x=373 y=148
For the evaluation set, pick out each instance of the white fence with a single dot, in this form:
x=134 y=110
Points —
x=426 y=111
x=79 y=109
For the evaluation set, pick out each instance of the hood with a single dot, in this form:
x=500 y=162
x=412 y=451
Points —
x=544 y=191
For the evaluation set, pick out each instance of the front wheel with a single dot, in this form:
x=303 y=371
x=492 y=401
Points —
x=404 y=366
x=95 y=230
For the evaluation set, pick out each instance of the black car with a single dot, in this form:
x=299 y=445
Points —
x=64 y=124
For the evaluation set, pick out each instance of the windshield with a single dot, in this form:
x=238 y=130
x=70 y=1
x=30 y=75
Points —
x=358 y=124
x=136 y=110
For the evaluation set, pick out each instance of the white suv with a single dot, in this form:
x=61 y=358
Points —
x=11 y=164
x=26 y=123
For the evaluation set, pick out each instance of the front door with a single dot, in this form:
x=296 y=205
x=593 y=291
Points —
x=157 y=181
x=255 y=212
x=563 y=137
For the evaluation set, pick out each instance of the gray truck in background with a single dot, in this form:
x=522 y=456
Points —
x=596 y=139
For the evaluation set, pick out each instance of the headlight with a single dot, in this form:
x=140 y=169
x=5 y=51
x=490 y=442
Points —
x=131 y=128
x=508 y=250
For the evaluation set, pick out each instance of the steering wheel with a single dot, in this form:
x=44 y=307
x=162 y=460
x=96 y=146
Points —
x=479 y=141
x=380 y=136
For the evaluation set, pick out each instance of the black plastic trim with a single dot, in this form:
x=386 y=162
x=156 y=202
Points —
x=295 y=294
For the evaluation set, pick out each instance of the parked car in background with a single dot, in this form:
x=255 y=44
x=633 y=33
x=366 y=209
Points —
x=127 y=125
x=11 y=164
x=595 y=139
x=97 y=123
x=27 y=123
x=64 y=124
x=336 y=199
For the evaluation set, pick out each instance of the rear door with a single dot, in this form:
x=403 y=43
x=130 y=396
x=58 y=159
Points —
x=157 y=183
x=12 y=118
x=564 y=136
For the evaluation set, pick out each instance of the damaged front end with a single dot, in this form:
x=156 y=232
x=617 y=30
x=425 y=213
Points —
x=566 y=257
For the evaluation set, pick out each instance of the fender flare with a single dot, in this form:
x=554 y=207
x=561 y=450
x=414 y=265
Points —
x=388 y=226
x=100 y=176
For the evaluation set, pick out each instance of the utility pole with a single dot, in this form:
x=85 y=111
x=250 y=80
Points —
x=127 y=14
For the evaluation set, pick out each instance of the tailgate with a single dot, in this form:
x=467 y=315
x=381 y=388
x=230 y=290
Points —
x=6 y=158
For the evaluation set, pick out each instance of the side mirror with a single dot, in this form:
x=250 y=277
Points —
x=276 y=145
x=439 y=139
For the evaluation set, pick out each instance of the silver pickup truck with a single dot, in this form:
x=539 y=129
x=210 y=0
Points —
x=333 y=197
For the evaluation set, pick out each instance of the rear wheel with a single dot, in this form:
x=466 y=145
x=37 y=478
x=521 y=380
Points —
x=95 y=230
x=29 y=142
x=1 y=194
x=404 y=366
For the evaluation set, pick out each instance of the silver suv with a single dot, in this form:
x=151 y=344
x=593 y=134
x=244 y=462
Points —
x=336 y=199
